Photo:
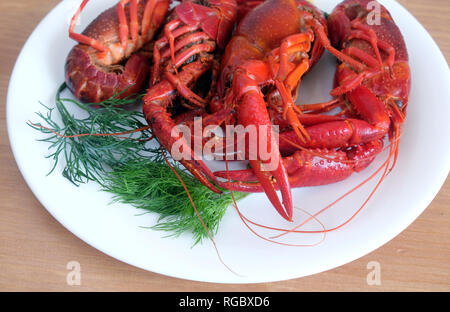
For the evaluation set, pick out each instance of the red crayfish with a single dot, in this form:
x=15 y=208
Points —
x=107 y=60
x=372 y=87
x=241 y=63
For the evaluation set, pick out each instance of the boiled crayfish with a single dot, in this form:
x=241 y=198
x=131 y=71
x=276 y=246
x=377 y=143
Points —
x=251 y=78
x=94 y=67
x=186 y=50
x=372 y=87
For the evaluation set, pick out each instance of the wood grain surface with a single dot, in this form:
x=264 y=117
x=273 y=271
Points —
x=35 y=248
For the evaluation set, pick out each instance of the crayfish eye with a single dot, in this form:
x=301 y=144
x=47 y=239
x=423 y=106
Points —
x=399 y=103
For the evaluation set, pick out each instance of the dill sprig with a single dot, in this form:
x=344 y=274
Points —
x=87 y=156
x=130 y=184
x=104 y=146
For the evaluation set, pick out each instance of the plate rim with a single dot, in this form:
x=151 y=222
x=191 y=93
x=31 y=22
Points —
x=426 y=200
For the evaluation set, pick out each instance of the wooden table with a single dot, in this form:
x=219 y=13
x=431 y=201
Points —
x=35 y=248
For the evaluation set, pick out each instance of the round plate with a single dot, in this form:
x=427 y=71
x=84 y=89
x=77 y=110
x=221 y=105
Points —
x=115 y=229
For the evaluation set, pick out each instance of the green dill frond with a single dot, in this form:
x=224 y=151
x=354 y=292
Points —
x=104 y=146
x=87 y=157
x=153 y=187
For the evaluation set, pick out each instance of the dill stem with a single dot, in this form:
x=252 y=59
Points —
x=111 y=147
x=91 y=134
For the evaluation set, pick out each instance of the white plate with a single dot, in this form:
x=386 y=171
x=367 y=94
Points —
x=423 y=165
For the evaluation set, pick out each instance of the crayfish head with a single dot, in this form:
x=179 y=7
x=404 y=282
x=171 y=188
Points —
x=394 y=86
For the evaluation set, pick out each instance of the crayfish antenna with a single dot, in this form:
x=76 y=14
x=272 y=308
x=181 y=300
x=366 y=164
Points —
x=197 y=213
x=246 y=222
x=384 y=165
